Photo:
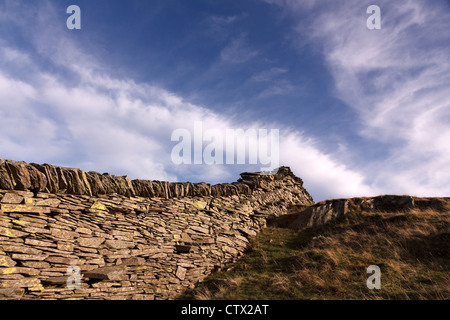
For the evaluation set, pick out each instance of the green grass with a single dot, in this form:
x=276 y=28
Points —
x=412 y=250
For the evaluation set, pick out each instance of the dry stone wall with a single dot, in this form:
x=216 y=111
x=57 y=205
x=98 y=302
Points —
x=130 y=239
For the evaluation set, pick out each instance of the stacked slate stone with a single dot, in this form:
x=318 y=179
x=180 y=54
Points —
x=130 y=239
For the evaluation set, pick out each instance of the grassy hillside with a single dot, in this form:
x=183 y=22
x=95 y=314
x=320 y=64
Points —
x=411 y=249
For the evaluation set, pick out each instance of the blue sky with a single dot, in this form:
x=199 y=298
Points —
x=360 y=112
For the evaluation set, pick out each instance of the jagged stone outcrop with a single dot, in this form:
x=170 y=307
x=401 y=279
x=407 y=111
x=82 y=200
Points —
x=131 y=239
x=322 y=212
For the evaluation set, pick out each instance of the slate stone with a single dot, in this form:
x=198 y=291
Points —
x=62 y=260
x=135 y=261
x=25 y=176
x=12 y=233
x=6 y=261
x=56 y=280
x=106 y=273
x=24 y=208
x=6 y=183
x=11 y=293
x=90 y=242
x=12 y=198
x=118 y=244
x=181 y=273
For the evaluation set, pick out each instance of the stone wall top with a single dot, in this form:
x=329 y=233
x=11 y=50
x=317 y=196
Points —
x=19 y=175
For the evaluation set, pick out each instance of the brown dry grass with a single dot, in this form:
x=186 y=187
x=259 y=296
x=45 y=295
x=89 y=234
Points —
x=411 y=248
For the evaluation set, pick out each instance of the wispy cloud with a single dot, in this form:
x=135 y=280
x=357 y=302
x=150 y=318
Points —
x=275 y=82
x=397 y=79
x=222 y=27
x=218 y=23
x=238 y=50
x=280 y=87
x=268 y=75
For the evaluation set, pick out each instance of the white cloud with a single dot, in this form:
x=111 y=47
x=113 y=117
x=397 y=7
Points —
x=323 y=176
x=10 y=55
x=80 y=115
